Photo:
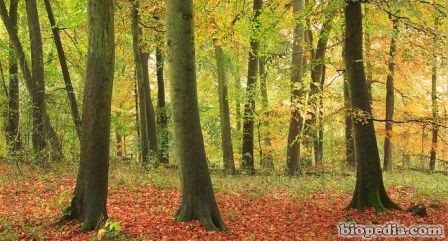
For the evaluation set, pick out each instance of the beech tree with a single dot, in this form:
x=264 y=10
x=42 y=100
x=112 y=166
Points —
x=198 y=199
x=90 y=194
x=296 y=120
x=369 y=190
x=249 y=107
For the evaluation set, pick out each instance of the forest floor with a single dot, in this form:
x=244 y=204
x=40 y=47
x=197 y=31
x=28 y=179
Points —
x=141 y=205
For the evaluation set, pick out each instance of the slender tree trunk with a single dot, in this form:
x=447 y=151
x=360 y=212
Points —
x=137 y=112
x=13 y=114
x=369 y=190
x=162 y=109
x=267 y=162
x=90 y=195
x=119 y=139
x=198 y=199
x=238 y=98
x=142 y=93
x=387 y=166
x=248 y=164
x=435 y=116
x=151 y=115
x=37 y=73
x=64 y=68
x=315 y=99
x=224 y=113
x=297 y=94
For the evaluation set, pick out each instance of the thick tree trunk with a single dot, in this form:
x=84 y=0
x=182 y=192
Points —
x=162 y=109
x=369 y=190
x=267 y=162
x=37 y=73
x=435 y=116
x=369 y=67
x=387 y=166
x=198 y=199
x=90 y=195
x=64 y=68
x=224 y=113
x=248 y=164
x=13 y=114
x=297 y=94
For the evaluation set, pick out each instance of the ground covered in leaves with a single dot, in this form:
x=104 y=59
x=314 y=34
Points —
x=141 y=205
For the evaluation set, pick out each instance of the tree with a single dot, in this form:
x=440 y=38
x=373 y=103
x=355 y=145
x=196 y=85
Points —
x=12 y=128
x=249 y=107
x=390 y=96
x=435 y=115
x=148 y=136
x=162 y=108
x=90 y=194
x=64 y=68
x=37 y=73
x=369 y=190
x=41 y=120
x=349 y=145
x=198 y=199
x=226 y=130
x=296 y=120
x=266 y=158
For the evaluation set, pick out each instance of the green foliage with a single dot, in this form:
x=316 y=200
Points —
x=111 y=230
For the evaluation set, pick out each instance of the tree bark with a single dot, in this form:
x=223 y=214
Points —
x=435 y=116
x=37 y=73
x=317 y=81
x=387 y=166
x=248 y=164
x=162 y=108
x=151 y=115
x=267 y=162
x=349 y=144
x=142 y=93
x=369 y=190
x=297 y=93
x=90 y=195
x=64 y=68
x=224 y=113
x=13 y=114
x=198 y=199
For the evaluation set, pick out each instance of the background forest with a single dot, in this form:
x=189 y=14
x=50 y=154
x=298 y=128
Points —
x=280 y=94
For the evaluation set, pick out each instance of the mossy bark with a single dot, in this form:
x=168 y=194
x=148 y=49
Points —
x=198 y=199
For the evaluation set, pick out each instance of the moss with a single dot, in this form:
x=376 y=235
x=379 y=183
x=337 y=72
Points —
x=67 y=214
x=374 y=200
x=181 y=218
x=87 y=226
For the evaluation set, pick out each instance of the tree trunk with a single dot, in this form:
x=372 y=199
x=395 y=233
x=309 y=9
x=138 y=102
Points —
x=224 y=113
x=13 y=114
x=248 y=164
x=37 y=73
x=387 y=166
x=435 y=116
x=64 y=69
x=317 y=79
x=349 y=144
x=119 y=139
x=267 y=158
x=198 y=199
x=151 y=115
x=297 y=94
x=142 y=93
x=90 y=195
x=162 y=109
x=369 y=190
